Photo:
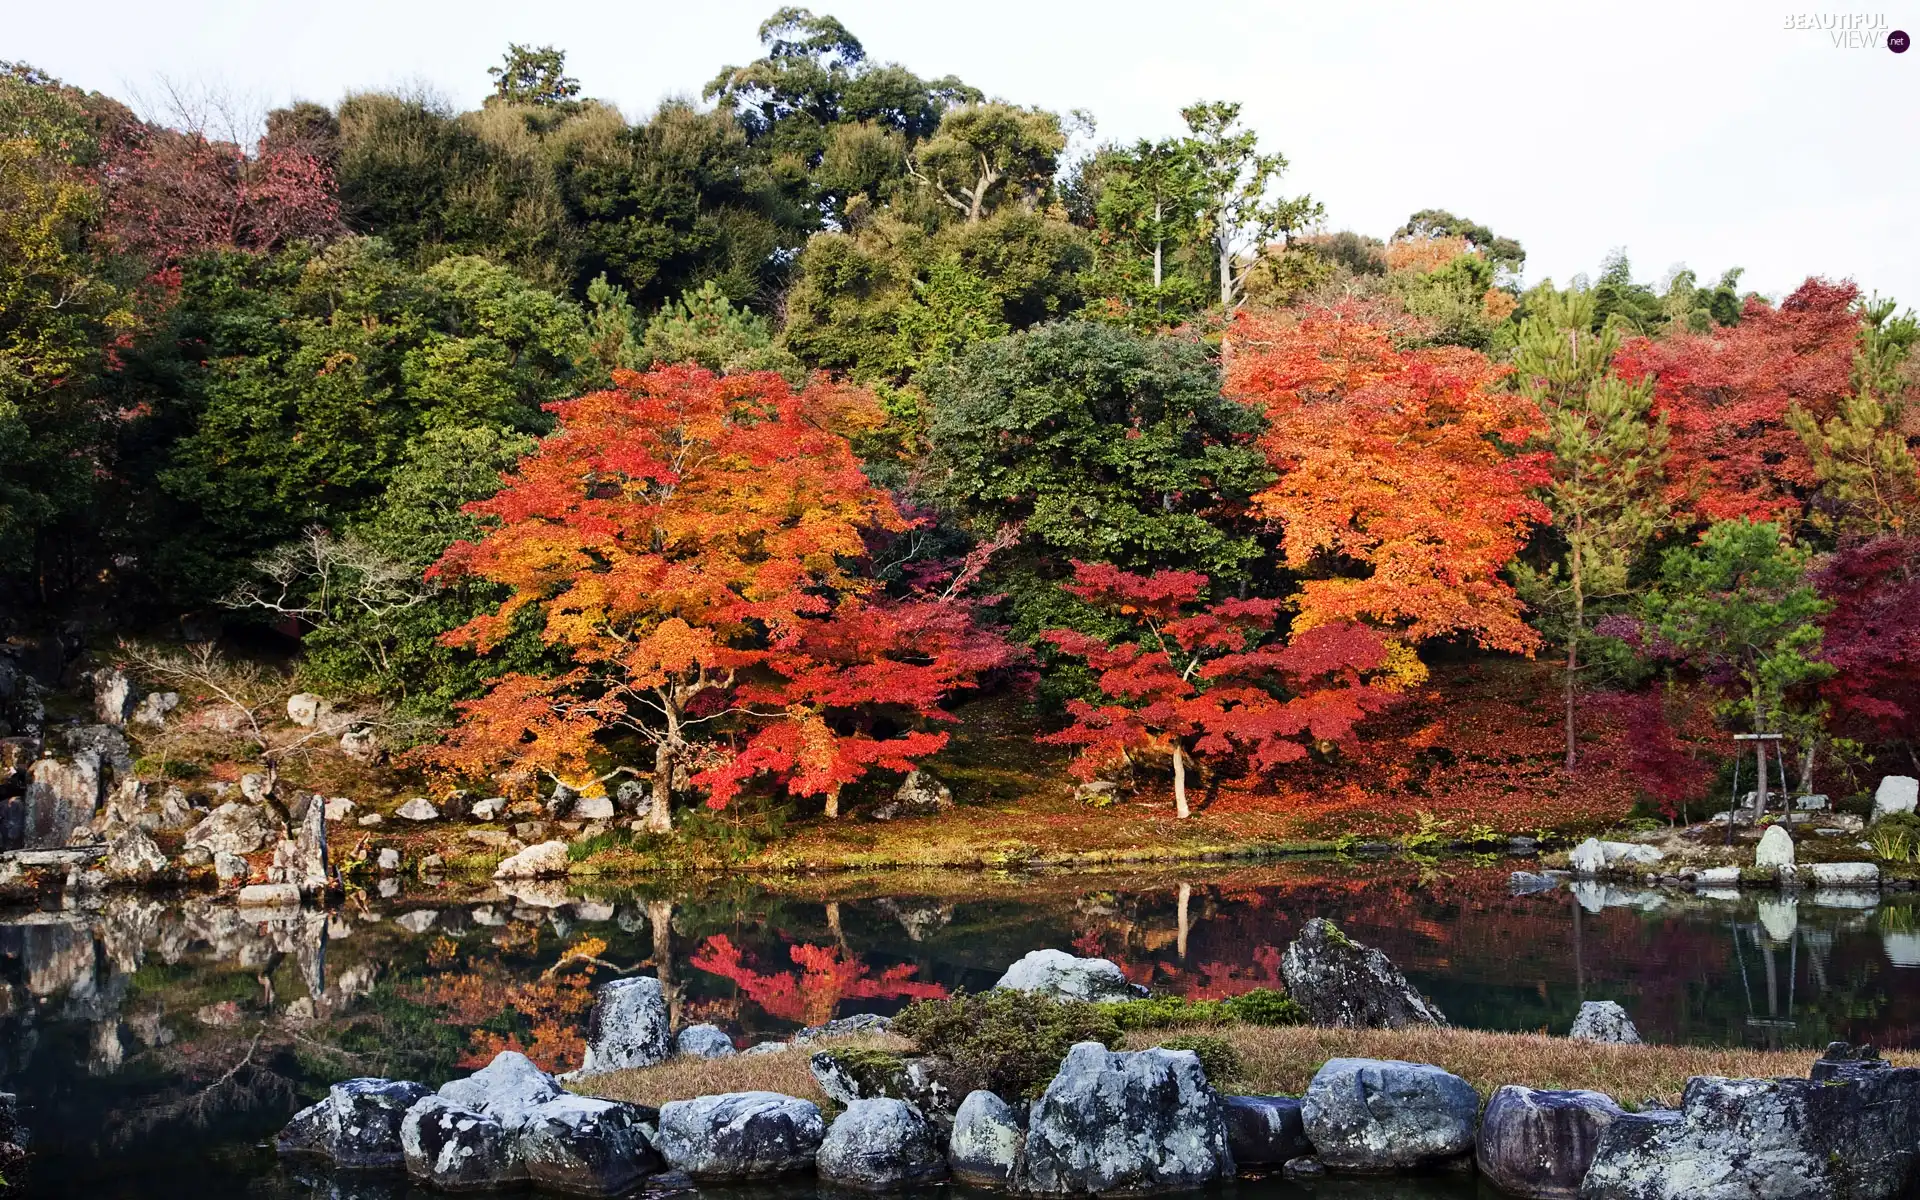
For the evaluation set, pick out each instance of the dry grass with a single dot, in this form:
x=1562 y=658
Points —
x=685 y=1078
x=1281 y=1061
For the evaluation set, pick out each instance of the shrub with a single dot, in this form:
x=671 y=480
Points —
x=1160 y=1012
x=1264 y=1006
x=1219 y=1059
x=1005 y=1041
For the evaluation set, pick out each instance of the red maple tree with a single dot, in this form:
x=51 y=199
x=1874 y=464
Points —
x=1872 y=637
x=694 y=544
x=827 y=976
x=1202 y=678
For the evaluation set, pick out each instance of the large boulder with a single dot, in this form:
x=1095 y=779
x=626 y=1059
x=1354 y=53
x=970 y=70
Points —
x=1060 y=975
x=988 y=1138
x=132 y=856
x=1896 y=794
x=233 y=828
x=62 y=796
x=1340 y=982
x=546 y=860
x=357 y=1126
x=1604 y=1021
x=458 y=1149
x=920 y=794
x=418 y=809
x=739 y=1135
x=1843 y=875
x=1851 y=1136
x=920 y=1080
x=704 y=1041
x=1119 y=1121
x=1370 y=1115
x=880 y=1144
x=1265 y=1131
x=1775 y=851
x=1539 y=1144
x=301 y=860
x=114 y=695
x=508 y=1089
x=1594 y=857
x=627 y=1027
x=586 y=1147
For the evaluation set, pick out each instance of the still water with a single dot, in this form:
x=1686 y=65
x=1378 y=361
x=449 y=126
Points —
x=155 y=1042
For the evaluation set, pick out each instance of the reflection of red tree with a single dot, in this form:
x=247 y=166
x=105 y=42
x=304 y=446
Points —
x=828 y=975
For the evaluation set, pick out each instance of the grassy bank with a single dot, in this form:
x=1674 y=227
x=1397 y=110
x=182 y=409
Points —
x=1282 y=1060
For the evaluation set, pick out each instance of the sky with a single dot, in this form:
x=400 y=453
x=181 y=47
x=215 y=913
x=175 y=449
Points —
x=1701 y=133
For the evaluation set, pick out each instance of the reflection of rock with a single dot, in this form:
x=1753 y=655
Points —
x=918 y=919
x=418 y=921
x=537 y=893
x=1903 y=949
x=1779 y=916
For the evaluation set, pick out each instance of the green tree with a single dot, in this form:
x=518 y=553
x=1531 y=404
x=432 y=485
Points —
x=703 y=326
x=1605 y=475
x=1144 y=215
x=533 y=76
x=1502 y=252
x=1863 y=456
x=1103 y=445
x=1238 y=212
x=987 y=155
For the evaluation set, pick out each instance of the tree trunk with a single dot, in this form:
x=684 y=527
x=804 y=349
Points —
x=833 y=802
x=660 y=816
x=1226 y=275
x=1574 y=630
x=1179 y=781
x=1159 y=238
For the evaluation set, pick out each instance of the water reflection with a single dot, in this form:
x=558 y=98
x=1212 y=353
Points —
x=155 y=1032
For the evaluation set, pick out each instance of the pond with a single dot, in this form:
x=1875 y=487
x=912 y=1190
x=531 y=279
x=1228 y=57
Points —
x=157 y=1041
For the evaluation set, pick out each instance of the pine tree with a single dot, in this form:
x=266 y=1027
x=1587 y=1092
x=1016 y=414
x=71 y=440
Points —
x=1608 y=452
x=1869 y=478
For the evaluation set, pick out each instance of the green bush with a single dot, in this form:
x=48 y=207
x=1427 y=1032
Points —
x=1261 y=1006
x=1005 y=1041
x=1220 y=1060
x=1264 y=1006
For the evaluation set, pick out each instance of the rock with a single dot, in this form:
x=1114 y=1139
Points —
x=1539 y=1144
x=307 y=1133
x=768 y=1048
x=739 y=1135
x=879 y=1145
x=1304 y=1167
x=371 y=821
x=1593 y=856
x=114 y=695
x=704 y=1041
x=987 y=1141
x=457 y=1149
x=61 y=797
x=634 y=798
x=233 y=828
x=1849 y=1137
x=302 y=859
x=1896 y=794
x=920 y=794
x=1340 y=982
x=363 y=1122
x=593 y=808
x=1265 y=1131
x=509 y=1089
x=1127 y=1121
x=270 y=895
x=586 y=1147
x=1718 y=877
x=920 y=1080
x=545 y=860
x=1775 y=850
x=306 y=709
x=1526 y=883
x=132 y=856
x=1588 y=858
x=153 y=710
x=388 y=859
x=361 y=745
x=1060 y=975
x=1604 y=1021
x=844 y=1027
x=419 y=808
x=627 y=1027
x=418 y=921
x=1854 y=874
x=497 y=838
x=227 y=867
x=1373 y=1115
x=255 y=788
x=488 y=809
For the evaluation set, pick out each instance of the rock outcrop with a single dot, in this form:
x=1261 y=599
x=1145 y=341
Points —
x=627 y=1027
x=1119 y=1121
x=880 y=1144
x=1369 y=1115
x=740 y=1135
x=1340 y=982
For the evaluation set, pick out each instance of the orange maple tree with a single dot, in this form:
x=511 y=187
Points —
x=1726 y=396
x=1201 y=677
x=694 y=543
x=1399 y=496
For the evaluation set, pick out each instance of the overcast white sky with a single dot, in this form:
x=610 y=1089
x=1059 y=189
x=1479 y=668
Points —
x=1698 y=133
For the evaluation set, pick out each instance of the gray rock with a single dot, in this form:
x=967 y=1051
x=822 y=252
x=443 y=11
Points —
x=153 y=710
x=458 y=1149
x=988 y=1143
x=132 y=856
x=1060 y=975
x=62 y=795
x=306 y=1135
x=1539 y=1144
x=363 y=1122
x=1896 y=794
x=508 y=1089
x=1118 y=1121
x=1847 y=875
x=740 y=1135
x=1718 y=877
x=233 y=828
x=270 y=895
x=1588 y=859
x=627 y=1027
x=302 y=859
x=226 y=867
x=388 y=859
x=920 y=794
x=704 y=1041
x=418 y=809
x=255 y=787
x=844 y=1027
x=634 y=798
x=488 y=809
x=920 y=1080
x=1371 y=1115
x=306 y=709
x=586 y=1147
x=1604 y=1021
x=593 y=808
x=1265 y=1131
x=546 y=860
x=1775 y=850
x=371 y=820
x=1340 y=982
x=114 y=695
x=1304 y=1167
x=768 y=1048
x=879 y=1145
x=361 y=745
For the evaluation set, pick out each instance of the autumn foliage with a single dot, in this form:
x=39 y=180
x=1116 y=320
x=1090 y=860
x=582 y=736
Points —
x=1400 y=497
x=827 y=976
x=691 y=542
x=1204 y=677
